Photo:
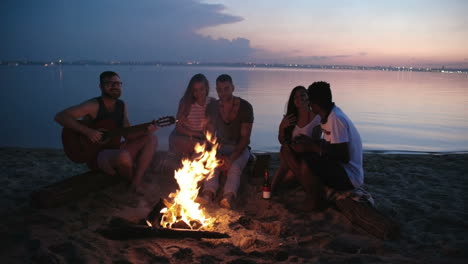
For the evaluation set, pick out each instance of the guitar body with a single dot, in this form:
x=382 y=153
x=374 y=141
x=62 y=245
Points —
x=80 y=149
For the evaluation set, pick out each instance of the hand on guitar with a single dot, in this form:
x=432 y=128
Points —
x=151 y=129
x=94 y=135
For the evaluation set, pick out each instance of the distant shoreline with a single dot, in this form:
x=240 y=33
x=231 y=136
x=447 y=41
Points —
x=442 y=69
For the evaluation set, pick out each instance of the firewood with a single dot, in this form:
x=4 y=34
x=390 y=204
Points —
x=121 y=229
x=154 y=216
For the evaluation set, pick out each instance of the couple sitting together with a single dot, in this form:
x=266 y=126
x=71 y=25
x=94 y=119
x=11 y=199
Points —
x=317 y=157
x=320 y=146
x=230 y=118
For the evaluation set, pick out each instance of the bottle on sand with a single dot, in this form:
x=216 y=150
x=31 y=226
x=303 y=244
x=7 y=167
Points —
x=266 y=186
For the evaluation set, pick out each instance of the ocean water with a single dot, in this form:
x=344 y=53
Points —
x=393 y=111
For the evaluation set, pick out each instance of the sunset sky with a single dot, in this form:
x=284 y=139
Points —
x=399 y=33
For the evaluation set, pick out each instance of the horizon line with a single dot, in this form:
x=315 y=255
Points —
x=442 y=68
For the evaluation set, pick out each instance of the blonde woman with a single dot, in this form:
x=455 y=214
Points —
x=192 y=116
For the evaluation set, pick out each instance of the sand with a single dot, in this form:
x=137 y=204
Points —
x=424 y=193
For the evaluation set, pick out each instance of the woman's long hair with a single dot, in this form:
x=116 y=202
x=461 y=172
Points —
x=292 y=109
x=188 y=97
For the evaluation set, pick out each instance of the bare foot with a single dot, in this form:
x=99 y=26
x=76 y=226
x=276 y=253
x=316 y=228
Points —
x=227 y=201
x=205 y=198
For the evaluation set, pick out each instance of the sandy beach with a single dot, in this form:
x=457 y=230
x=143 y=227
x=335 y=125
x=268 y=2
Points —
x=426 y=194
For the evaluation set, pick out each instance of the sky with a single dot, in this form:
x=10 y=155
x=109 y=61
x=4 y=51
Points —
x=348 y=32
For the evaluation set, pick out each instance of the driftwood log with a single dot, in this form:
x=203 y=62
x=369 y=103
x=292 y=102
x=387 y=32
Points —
x=121 y=229
x=72 y=189
x=368 y=218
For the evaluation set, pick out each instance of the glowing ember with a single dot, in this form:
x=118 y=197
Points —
x=184 y=209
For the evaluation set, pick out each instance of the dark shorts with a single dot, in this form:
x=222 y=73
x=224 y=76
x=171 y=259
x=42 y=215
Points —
x=331 y=173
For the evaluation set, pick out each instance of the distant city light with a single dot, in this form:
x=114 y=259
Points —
x=441 y=69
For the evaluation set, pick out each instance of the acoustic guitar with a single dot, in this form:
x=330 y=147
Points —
x=80 y=149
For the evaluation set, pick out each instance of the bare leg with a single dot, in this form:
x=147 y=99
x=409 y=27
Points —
x=309 y=181
x=315 y=194
x=284 y=174
x=289 y=159
x=116 y=162
x=279 y=175
x=123 y=165
x=142 y=150
x=144 y=158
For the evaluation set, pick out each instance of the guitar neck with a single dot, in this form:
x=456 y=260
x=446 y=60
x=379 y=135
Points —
x=128 y=130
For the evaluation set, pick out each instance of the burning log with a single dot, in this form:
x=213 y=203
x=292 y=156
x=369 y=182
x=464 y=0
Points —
x=121 y=229
x=155 y=216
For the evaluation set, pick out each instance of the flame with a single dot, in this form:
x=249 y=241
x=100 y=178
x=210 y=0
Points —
x=184 y=207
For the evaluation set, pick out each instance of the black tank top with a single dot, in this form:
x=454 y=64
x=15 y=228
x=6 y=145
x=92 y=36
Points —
x=117 y=115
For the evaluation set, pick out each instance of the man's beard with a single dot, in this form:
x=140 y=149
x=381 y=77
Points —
x=114 y=94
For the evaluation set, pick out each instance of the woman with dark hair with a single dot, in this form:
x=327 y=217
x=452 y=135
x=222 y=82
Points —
x=192 y=118
x=298 y=124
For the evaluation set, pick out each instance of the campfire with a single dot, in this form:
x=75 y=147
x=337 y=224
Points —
x=182 y=211
x=181 y=217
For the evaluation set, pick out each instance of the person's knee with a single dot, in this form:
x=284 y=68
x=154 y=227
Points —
x=237 y=166
x=124 y=159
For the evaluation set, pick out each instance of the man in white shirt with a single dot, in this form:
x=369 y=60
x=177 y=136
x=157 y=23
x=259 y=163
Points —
x=335 y=161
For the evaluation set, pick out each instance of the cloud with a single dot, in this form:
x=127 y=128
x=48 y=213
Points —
x=362 y=53
x=117 y=29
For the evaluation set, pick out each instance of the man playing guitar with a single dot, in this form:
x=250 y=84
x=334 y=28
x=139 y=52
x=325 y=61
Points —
x=131 y=157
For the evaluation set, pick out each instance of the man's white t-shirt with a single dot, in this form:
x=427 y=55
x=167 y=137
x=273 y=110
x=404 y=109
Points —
x=340 y=129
